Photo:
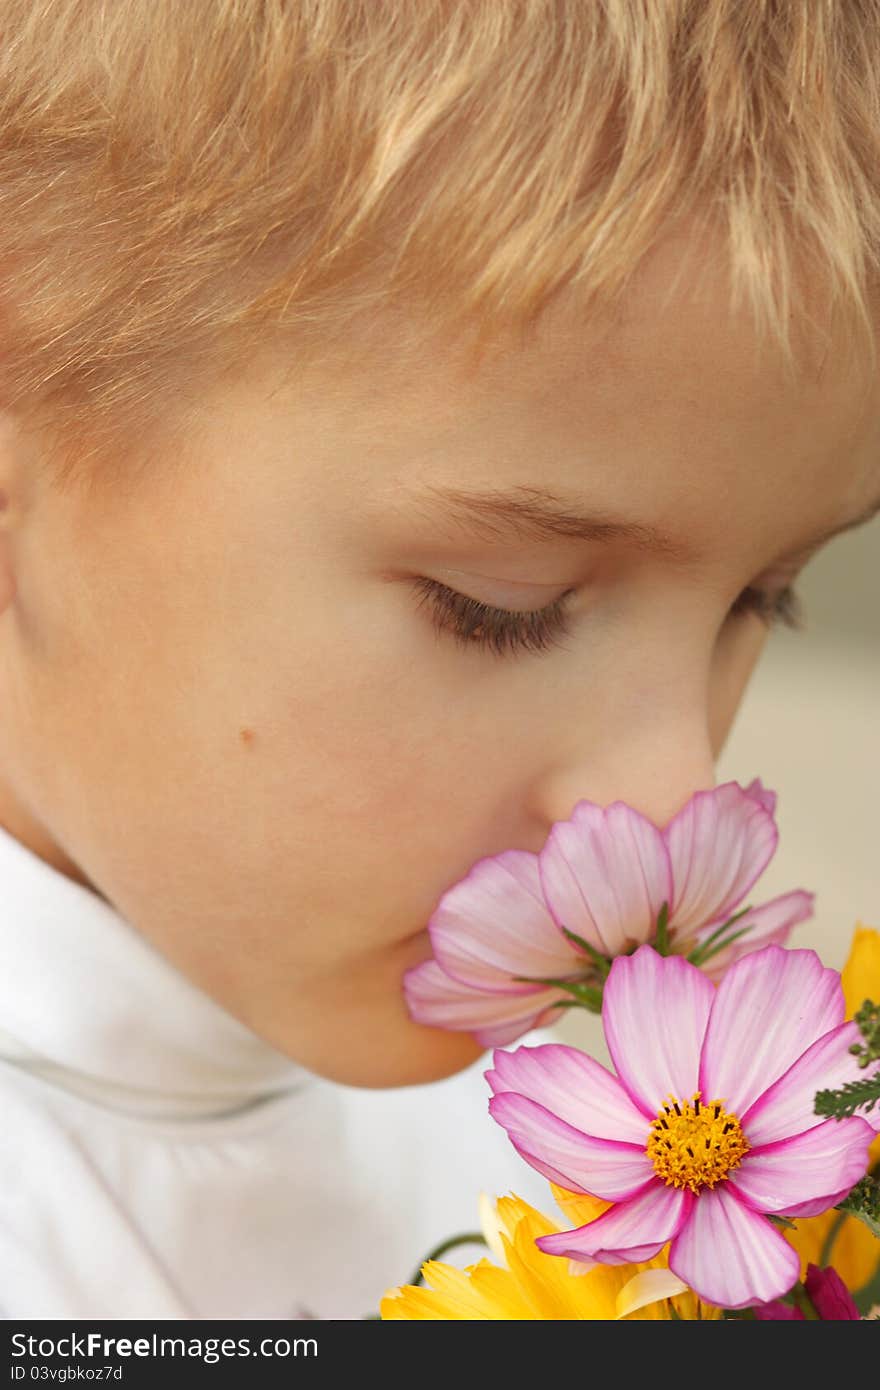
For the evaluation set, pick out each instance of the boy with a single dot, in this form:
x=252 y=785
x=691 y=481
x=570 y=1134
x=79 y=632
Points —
x=386 y=464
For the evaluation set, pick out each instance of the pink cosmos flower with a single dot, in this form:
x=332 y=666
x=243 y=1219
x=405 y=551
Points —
x=707 y=1129
x=603 y=875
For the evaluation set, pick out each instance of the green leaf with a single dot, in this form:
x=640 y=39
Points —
x=863 y=1202
x=868 y=1019
x=862 y=1094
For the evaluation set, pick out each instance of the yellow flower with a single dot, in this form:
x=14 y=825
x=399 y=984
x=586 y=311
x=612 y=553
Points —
x=532 y=1286
x=835 y=1238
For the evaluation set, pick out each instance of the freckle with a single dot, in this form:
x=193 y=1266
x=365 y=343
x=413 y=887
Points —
x=247 y=736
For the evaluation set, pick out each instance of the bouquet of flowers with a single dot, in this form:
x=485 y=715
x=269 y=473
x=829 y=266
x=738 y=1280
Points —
x=727 y=1166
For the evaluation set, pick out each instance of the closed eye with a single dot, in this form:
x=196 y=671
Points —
x=474 y=624
x=783 y=607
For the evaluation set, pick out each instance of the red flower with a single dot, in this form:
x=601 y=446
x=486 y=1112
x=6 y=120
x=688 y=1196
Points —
x=826 y=1291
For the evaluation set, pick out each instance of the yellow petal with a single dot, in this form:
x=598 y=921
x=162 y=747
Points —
x=500 y=1291
x=533 y=1285
x=580 y=1208
x=551 y=1289
x=648 y=1287
x=416 y=1304
x=490 y=1225
x=860 y=976
x=481 y=1292
x=543 y=1278
x=459 y=1284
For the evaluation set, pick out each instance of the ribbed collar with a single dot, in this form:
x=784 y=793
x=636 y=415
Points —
x=89 y=1005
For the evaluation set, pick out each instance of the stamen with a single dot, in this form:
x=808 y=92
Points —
x=675 y=1149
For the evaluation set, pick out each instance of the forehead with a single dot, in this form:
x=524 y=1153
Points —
x=652 y=409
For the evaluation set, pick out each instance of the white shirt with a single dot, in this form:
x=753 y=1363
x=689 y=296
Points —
x=158 y=1160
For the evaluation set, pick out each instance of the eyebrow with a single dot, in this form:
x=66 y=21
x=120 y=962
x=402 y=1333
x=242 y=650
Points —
x=535 y=514
x=538 y=515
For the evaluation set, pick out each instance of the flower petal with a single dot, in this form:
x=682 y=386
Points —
x=829 y=1295
x=573 y=1086
x=545 y=1281
x=818 y=1207
x=598 y=1166
x=629 y=1232
x=491 y=1225
x=436 y=1000
x=760 y=793
x=860 y=976
x=730 y=1255
x=788 y=1106
x=579 y=1207
x=655 y=1010
x=778 y=1312
x=495 y=925
x=809 y=1168
x=719 y=843
x=769 y=925
x=479 y=1293
x=646 y=1288
x=769 y=1008
x=605 y=875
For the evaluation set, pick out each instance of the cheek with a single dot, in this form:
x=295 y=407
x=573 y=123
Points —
x=737 y=652
x=372 y=789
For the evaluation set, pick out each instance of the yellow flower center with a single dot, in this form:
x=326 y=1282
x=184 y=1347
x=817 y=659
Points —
x=695 y=1145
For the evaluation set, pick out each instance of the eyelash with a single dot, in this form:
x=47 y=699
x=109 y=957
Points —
x=475 y=624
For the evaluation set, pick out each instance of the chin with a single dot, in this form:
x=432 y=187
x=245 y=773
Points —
x=355 y=1028
x=420 y=1056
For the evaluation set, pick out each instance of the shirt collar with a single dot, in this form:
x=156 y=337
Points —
x=87 y=1004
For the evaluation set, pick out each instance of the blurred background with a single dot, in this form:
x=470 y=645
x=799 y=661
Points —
x=809 y=727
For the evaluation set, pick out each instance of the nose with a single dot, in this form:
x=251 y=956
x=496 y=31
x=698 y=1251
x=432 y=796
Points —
x=654 y=769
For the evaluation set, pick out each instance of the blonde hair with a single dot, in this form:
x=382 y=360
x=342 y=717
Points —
x=179 y=179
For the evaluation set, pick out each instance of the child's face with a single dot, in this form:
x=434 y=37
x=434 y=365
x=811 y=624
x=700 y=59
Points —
x=224 y=708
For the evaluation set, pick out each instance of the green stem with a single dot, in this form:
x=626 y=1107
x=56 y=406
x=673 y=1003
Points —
x=801 y=1299
x=828 y=1243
